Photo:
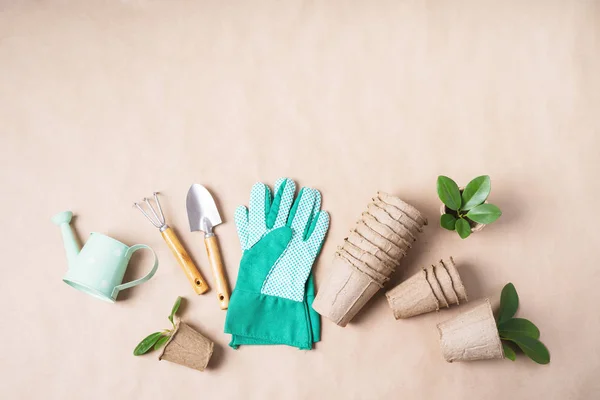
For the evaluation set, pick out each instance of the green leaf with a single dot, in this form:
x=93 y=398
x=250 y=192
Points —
x=476 y=192
x=463 y=228
x=532 y=347
x=448 y=221
x=519 y=326
x=448 y=192
x=146 y=344
x=175 y=308
x=509 y=352
x=161 y=342
x=484 y=214
x=509 y=302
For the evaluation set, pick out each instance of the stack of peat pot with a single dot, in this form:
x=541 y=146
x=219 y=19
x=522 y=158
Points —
x=368 y=257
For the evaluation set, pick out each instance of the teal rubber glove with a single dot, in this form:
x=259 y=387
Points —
x=280 y=239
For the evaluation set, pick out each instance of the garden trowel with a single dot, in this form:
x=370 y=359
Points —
x=204 y=216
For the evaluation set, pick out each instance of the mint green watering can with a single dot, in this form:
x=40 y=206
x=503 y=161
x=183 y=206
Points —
x=98 y=268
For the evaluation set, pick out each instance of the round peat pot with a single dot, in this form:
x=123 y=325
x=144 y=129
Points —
x=412 y=297
x=188 y=347
x=344 y=292
x=471 y=336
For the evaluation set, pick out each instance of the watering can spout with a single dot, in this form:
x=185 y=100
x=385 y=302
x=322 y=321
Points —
x=70 y=242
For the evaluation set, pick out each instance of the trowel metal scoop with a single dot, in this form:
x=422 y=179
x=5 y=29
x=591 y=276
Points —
x=203 y=216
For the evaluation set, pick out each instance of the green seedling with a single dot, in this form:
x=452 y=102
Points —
x=466 y=207
x=157 y=340
x=518 y=333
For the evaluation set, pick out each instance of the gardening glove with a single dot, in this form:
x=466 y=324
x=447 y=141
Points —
x=280 y=239
x=314 y=320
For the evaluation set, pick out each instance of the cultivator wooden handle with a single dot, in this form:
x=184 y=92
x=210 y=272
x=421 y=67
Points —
x=157 y=218
x=183 y=258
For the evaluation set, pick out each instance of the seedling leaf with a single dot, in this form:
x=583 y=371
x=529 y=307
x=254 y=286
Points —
x=519 y=326
x=146 y=344
x=476 y=192
x=533 y=348
x=161 y=342
x=463 y=228
x=509 y=302
x=448 y=221
x=448 y=192
x=175 y=308
x=484 y=213
x=509 y=352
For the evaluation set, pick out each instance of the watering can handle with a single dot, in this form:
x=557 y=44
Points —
x=150 y=274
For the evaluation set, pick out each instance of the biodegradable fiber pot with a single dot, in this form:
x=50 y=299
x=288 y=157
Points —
x=386 y=232
x=457 y=284
x=371 y=259
x=404 y=207
x=445 y=281
x=471 y=335
x=398 y=215
x=363 y=267
x=412 y=297
x=188 y=347
x=356 y=240
x=385 y=245
x=368 y=257
x=429 y=289
x=435 y=286
x=344 y=293
x=372 y=262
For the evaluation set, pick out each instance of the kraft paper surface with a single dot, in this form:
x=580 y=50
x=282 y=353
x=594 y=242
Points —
x=104 y=102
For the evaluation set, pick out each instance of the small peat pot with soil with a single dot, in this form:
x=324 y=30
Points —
x=476 y=335
x=465 y=210
x=182 y=344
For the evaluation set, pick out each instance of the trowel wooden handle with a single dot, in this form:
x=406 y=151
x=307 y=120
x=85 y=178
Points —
x=216 y=263
x=183 y=258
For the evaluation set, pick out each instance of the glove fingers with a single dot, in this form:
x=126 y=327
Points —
x=282 y=202
x=241 y=223
x=302 y=210
x=260 y=202
x=310 y=226
x=288 y=277
x=317 y=236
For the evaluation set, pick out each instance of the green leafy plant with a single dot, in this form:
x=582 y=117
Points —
x=518 y=332
x=157 y=340
x=467 y=206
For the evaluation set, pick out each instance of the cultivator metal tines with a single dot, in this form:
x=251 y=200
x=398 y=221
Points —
x=157 y=218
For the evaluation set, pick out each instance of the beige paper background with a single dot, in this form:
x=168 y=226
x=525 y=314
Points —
x=103 y=102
